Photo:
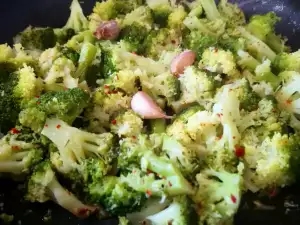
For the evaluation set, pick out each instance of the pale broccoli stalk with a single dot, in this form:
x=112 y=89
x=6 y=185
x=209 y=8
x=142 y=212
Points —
x=127 y=124
x=178 y=212
x=87 y=56
x=255 y=46
x=220 y=61
x=247 y=61
x=288 y=94
x=18 y=157
x=43 y=186
x=195 y=8
x=213 y=28
x=75 y=145
x=79 y=39
x=211 y=10
x=186 y=158
x=77 y=20
x=218 y=196
x=263 y=73
x=288 y=61
x=227 y=108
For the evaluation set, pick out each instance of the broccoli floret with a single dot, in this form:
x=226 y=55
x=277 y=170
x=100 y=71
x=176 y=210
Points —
x=263 y=27
x=175 y=19
x=287 y=61
x=196 y=87
x=75 y=145
x=232 y=43
x=162 y=85
x=66 y=105
x=116 y=197
x=255 y=46
x=218 y=196
x=127 y=124
x=158 y=126
x=211 y=10
x=220 y=61
x=263 y=73
x=63 y=35
x=247 y=61
x=77 y=20
x=123 y=220
x=43 y=186
x=177 y=213
x=161 y=9
x=34 y=38
x=141 y=17
x=19 y=153
x=138 y=151
x=288 y=94
x=164 y=39
x=233 y=15
x=186 y=158
x=267 y=162
x=133 y=36
x=212 y=28
x=198 y=42
x=79 y=39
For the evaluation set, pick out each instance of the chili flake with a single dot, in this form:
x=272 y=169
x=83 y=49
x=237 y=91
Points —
x=149 y=193
x=14 y=131
x=239 y=151
x=289 y=102
x=37 y=96
x=46 y=125
x=38 y=103
x=15 y=148
x=114 y=122
x=134 y=137
x=106 y=86
x=233 y=198
x=58 y=126
x=170 y=184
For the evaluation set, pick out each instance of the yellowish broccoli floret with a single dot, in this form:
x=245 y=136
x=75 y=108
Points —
x=47 y=58
x=175 y=19
x=220 y=61
x=127 y=124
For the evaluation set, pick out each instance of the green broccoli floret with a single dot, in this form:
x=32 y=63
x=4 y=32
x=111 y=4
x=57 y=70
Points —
x=263 y=72
x=267 y=162
x=263 y=27
x=133 y=36
x=287 y=61
x=220 y=61
x=34 y=38
x=232 y=43
x=186 y=158
x=127 y=124
x=196 y=87
x=66 y=105
x=164 y=39
x=212 y=28
x=141 y=17
x=19 y=153
x=63 y=35
x=164 y=85
x=218 y=196
x=79 y=39
x=116 y=197
x=175 y=19
x=177 y=213
x=75 y=145
x=137 y=151
x=288 y=94
x=247 y=61
x=161 y=9
x=231 y=13
x=123 y=220
x=198 y=42
x=43 y=186
x=77 y=20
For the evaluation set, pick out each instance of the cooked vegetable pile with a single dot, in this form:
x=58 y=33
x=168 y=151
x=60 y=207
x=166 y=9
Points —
x=156 y=112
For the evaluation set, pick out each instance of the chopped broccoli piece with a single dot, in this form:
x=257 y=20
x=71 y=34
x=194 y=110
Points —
x=43 y=186
x=127 y=124
x=66 y=105
x=175 y=19
x=211 y=10
x=233 y=15
x=75 y=145
x=141 y=17
x=123 y=220
x=246 y=61
x=161 y=9
x=218 y=196
x=77 y=20
x=287 y=61
x=116 y=197
x=263 y=73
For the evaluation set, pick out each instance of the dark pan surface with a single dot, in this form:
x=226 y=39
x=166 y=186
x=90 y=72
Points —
x=15 y=15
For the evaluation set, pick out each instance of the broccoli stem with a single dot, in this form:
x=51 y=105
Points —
x=247 y=61
x=257 y=46
x=158 y=126
x=15 y=167
x=68 y=201
x=276 y=43
x=87 y=55
x=77 y=21
x=193 y=23
x=211 y=10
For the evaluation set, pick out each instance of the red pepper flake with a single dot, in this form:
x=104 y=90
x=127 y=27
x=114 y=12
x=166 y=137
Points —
x=289 y=102
x=14 y=131
x=58 y=126
x=149 y=172
x=239 y=151
x=46 y=125
x=219 y=114
x=115 y=92
x=230 y=89
x=170 y=184
x=233 y=137
x=233 y=198
x=83 y=211
x=149 y=193
x=134 y=171
x=273 y=192
x=216 y=50
x=16 y=148
x=65 y=88
x=144 y=222
x=106 y=86
x=134 y=137
x=134 y=53
x=38 y=103
x=114 y=122
x=37 y=96
x=173 y=41
x=109 y=92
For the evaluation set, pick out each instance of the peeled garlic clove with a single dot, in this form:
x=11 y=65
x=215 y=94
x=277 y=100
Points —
x=144 y=105
x=108 y=30
x=184 y=59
